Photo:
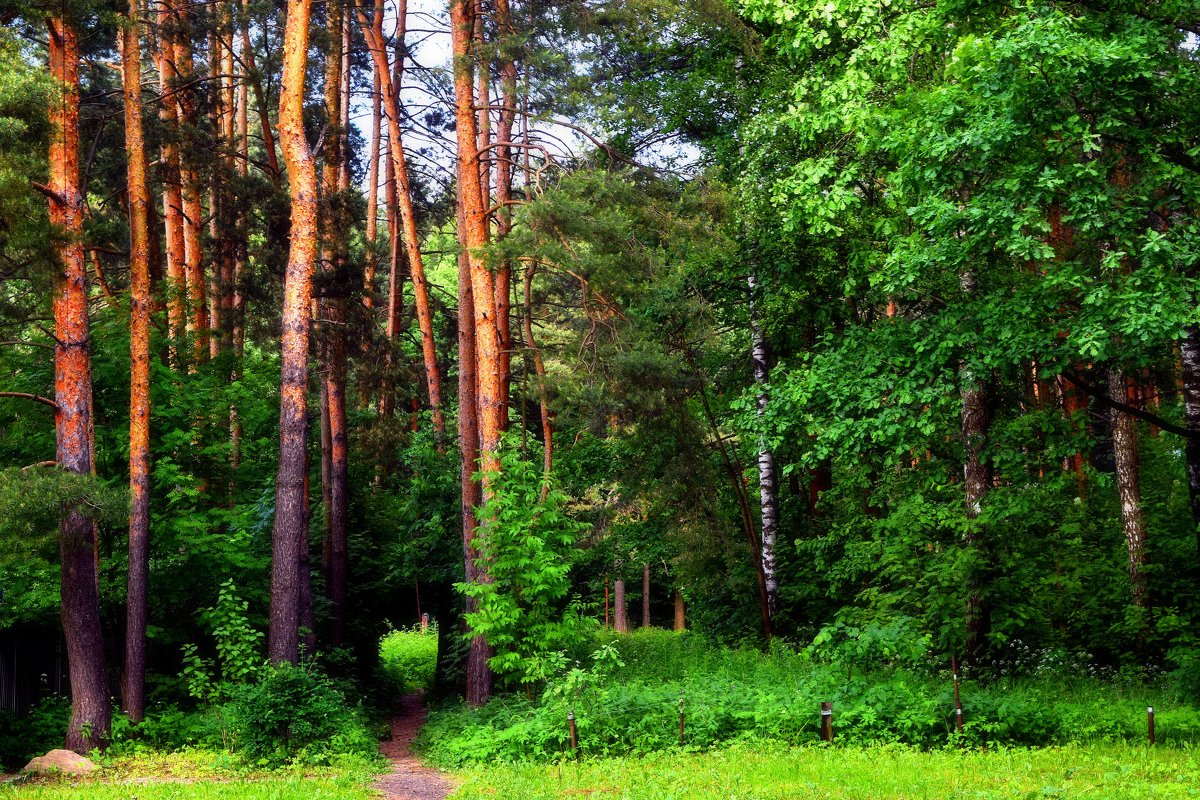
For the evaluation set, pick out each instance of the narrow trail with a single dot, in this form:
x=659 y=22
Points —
x=409 y=779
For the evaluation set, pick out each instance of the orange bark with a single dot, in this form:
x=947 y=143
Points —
x=333 y=395
x=90 y=707
x=193 y=212
x=172 y=193
x=290 y=536
x=472 y=232
x=408 y=221
x=139 y=383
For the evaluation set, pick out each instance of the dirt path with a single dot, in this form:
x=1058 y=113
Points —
x=409 y=778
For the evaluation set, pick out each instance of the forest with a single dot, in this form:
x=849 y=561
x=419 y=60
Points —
x=775 y=398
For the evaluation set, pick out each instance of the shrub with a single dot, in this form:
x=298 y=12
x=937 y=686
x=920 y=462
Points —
x=626 y=702
x=296 y=715
x=408 y=659
x=42 y=729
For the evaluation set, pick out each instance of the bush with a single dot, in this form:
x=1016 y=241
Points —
x=295 y=715
x=626 y=702
x=408 y=659
x=41 y=730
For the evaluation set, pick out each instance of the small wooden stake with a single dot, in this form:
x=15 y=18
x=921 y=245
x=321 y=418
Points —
x=958 y=711
x=681 y=738
x=827 y=722
x=574 y=732
x=1150 y=722
x=606 y=601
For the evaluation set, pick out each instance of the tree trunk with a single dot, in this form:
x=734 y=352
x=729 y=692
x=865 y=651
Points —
x=172 y=193
x=260 y=100
x=371 y=255
x=408 y=221
x=472 y=237
x=1189 y=349
x=334 y=338
x=645 y=595
x=193 y=213
x=504 y=180
x=767 y=487
x=479 y=675
x=977 y=478
x=139 y=383
x=620 y=621
x=1125 y=456
x=539 y=368
x=290 y=535
x=680 y=616
x=90 y=710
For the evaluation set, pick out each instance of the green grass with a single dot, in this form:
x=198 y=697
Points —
x=197 y=775
x=289 y=788
x=775 y=772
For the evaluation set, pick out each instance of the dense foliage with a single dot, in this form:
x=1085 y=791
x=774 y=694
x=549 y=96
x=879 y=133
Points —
x=853 y=335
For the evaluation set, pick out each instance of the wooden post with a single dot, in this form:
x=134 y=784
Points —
x=1150 y=722
x=645 y=595
x=619 y=618
x=827 y=722
x=574 y=732
x=681 y=737
x=680 y=619
x=958 y=710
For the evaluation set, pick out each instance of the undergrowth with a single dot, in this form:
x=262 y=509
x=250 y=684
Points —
x=627 y=694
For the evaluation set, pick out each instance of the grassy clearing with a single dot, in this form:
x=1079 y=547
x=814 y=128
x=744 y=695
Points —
x=197 y=775
x=775 y=772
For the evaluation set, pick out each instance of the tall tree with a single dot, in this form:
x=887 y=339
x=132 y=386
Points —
x=290 y=535
x=91 y=712
x=472 y=234
x=767 y=487
x=139 y=356
x=333 y=392
x=408 y=220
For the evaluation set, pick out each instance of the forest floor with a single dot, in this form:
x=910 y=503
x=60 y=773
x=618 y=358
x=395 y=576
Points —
x=409 y=779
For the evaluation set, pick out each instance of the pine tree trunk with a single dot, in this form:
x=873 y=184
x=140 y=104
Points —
x=539 y=368
x=260 y=100
x=290 y=535
x=1125 y=456
x=172 y=192
x=504 y=180
x=479 y=676
x=371 y=255
x=620 y=621
x=193 y=212
x=680 y=615
x=767 y=487
x=139 y=357
x=90 y=709
x=1189 y=350
x=472 y=238
x=408 y=221
x=334 y=338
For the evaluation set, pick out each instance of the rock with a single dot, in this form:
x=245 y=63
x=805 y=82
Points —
x=60 y=761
